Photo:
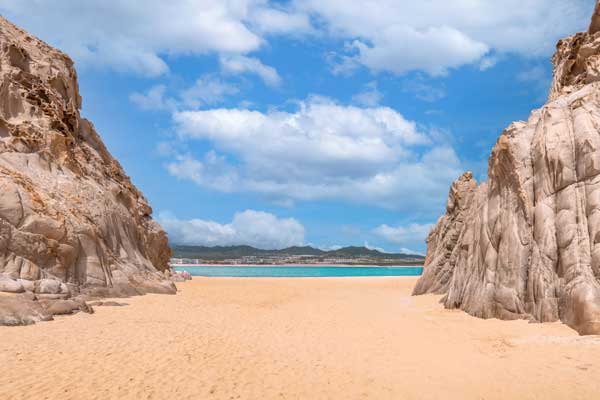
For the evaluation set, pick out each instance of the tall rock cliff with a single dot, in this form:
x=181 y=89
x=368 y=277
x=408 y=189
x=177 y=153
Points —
x=71 y=221
x=526 y=243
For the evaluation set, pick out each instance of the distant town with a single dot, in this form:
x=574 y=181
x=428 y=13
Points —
x=304 y=255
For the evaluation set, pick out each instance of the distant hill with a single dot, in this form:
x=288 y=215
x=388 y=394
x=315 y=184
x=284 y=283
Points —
x=227 y=252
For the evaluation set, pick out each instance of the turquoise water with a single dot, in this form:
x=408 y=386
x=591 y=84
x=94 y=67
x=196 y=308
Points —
x=299 y=271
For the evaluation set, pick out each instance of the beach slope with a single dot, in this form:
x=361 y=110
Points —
x=302 y=338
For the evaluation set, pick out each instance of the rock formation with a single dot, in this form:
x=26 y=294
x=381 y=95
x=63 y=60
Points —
x=71 y=222
x=526 y=244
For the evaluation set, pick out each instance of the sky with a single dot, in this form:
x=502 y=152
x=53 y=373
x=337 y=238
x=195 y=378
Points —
x=319 y=122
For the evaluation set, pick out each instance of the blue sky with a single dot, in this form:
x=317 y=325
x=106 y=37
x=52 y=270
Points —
x=304 y=122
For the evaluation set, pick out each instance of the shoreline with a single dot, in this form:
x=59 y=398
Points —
x=296 y=265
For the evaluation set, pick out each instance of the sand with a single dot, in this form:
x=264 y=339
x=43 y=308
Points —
x=299 y=338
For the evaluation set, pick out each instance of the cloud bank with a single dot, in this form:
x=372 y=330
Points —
x=383 y=35
x=254 y=228
x=436 y=36
x=322 y=150
x=138 y=37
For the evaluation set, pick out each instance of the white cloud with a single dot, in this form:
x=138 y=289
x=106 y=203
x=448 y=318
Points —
x=207 y=90
x=323 y=150
x=241 y=64
x=340 y=64
x=379 y=249
x=332 y=247
x=212 y=171
x=488 y=62
x=277 y=21
x=254 y=228
x=370 y=97
x=402 y=234
x=324 y=137
x=406 y=250
x=135 y=36
x=408 y=236
x=435 y=36
x=383 y=35
x=153 y=99
x=400 y=49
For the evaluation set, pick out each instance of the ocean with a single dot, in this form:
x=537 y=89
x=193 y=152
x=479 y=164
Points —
x=281 y=271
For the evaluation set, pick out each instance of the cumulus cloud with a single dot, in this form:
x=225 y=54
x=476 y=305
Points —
x=435 y=36
x=325 y=138
x=135 y=36
x=254 y=228
x=242 y=64
x=277 y=21
x=322 y=150
x=401 y=49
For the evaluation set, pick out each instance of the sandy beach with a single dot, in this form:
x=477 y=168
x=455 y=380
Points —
x=321 y=338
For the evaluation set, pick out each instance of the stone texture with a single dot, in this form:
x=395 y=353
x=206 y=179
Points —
x=577 y=60
x=177 y=276
x=62 y=307
x=10 y=286
x=526 y=244
x=27 y=284
x=16 y=310
x=440 y=261
x=71 y=221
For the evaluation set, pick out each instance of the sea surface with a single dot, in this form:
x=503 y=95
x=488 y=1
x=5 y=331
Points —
x=299 y=271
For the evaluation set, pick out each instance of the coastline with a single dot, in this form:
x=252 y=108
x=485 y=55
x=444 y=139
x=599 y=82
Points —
x=289 y=338
x=297 y=265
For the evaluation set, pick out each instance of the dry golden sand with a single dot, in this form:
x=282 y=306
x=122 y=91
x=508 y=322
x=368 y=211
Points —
x=338 y=338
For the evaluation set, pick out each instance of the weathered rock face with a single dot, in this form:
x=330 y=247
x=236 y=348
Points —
x=526 y=244
x=440 y=260
x=577 y=60
x=71 y=221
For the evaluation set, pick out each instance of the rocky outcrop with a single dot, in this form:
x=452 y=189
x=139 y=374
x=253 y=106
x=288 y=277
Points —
x=526 y=244
x=440 y=259
x=71 y=222
x=577 y=60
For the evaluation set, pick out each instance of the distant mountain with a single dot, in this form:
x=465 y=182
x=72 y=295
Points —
x=300 y=251
x=227 y=252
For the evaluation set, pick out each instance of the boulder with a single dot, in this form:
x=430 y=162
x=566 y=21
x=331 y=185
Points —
x=27 y=284
x=21 y=311
x=62 y=307
x=48 y=286
x=10 y=286
x=186 y=275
